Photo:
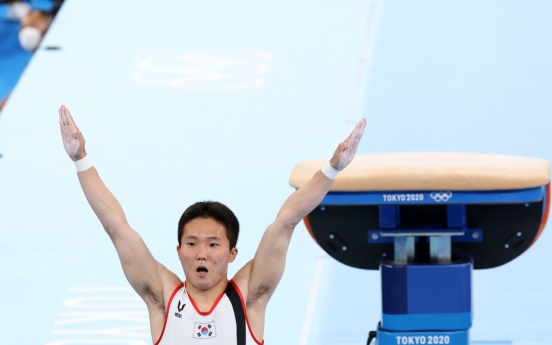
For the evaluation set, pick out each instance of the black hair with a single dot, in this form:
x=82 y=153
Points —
x=211 y=209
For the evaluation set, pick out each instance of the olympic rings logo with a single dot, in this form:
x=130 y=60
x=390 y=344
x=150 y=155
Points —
x=441 y=196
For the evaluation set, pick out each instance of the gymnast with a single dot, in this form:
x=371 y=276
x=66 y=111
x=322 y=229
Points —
x=207 y=308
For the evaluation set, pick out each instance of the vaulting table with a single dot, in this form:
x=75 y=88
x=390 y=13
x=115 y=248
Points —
x=425 y=220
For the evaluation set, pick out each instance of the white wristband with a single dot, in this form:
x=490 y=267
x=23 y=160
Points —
x=329 y=171
x=83 y=164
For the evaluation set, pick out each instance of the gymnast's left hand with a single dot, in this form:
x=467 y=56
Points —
x=346 y=151
x=73 y=141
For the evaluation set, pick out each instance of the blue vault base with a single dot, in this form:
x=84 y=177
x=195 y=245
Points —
x=430 y=296
x=426 y=304
x=423 y=338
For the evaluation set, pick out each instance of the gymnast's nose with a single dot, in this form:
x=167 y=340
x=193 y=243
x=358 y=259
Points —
x=201 y=255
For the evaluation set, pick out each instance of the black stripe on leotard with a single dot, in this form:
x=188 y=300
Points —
x=239 y=313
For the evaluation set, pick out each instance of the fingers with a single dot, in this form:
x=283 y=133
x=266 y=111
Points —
x=357 y=132
x=69 y=117
x=359 y=129
x=65 y=118
x=64 y=115
x=360 y=126
x=346 y=151
x=353 y=146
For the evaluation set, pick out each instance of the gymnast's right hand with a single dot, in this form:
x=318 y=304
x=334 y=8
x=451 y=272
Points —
x=73 y=141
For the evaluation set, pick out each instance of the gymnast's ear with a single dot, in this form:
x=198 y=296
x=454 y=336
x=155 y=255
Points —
x=233 y=254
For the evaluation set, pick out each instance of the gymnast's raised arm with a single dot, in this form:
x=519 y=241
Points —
x=268 y=264
x=143 y=272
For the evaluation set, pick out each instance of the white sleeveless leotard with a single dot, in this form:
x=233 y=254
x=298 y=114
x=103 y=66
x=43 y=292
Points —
x=185 y=324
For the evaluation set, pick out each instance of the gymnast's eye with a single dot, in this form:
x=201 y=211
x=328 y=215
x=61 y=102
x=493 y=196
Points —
x=214 y=244
x=191 y=244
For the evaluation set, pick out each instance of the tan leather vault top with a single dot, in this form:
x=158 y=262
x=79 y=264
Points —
x=431 y=171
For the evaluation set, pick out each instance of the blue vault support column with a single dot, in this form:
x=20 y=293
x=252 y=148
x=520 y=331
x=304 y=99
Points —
x=426 y=303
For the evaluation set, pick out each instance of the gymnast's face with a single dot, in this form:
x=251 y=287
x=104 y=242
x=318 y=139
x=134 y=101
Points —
x=205 y=253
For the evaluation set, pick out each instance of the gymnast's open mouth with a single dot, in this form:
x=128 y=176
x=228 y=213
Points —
x=201 y=269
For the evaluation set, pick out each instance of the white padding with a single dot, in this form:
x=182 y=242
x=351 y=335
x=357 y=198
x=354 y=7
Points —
x=424 y=171
x=83 y=164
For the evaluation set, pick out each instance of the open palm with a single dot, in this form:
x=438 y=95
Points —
x=346 y=151
x=73 y=141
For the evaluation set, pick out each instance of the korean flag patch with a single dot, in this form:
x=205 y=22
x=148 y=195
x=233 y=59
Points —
x=205 y=330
